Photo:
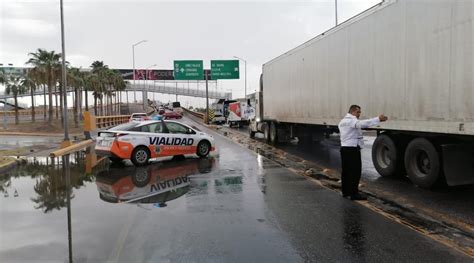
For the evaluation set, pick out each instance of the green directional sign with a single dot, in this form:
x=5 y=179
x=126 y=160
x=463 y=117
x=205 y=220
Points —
x=225 y=69
x=188 y=70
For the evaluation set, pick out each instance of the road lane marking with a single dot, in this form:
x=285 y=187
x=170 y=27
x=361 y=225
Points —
x=117 y=250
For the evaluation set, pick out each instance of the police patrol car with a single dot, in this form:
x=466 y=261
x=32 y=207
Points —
x=140 y=141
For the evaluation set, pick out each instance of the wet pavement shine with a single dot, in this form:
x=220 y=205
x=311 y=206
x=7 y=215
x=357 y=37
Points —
x=453 y=205
x=236 y=206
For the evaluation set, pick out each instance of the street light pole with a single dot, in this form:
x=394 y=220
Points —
x=245 y=65
x=66 y=141
x=133 y=57
x=335 y=4
x=146 y=86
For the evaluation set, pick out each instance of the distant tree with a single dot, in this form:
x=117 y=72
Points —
x=15 y=86
x=29 y=81
x=48 y=63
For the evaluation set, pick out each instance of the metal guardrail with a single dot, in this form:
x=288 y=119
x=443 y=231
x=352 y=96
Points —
x=72 y=148
x=194 y=113
x=197 y=114
x=109 y=121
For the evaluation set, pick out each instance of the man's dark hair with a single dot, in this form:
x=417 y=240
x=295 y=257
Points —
x=353 y=108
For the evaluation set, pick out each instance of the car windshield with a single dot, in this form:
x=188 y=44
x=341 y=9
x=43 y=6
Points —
x=124 y=127
x=155 y=127
x=138 y=115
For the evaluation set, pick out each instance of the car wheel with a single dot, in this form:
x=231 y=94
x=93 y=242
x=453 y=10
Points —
x=141 y=178
x=203 y=149
x=140 y=156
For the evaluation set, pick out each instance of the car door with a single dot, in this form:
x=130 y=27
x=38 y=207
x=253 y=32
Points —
x=152 y=135
x=183 y=139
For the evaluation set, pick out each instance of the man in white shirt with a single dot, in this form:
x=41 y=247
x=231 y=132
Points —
x=350 y=129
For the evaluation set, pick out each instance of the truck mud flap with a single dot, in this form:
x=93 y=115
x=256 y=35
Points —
x=458 y=163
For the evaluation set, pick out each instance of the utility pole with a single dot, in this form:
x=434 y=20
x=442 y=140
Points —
x=66 y=141
x=207 y=98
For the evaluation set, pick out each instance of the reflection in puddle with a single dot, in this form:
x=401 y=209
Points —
x=156 y=183
x=45 y=187
x=50 y=180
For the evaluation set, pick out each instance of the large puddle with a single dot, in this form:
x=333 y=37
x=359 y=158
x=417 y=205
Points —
x=43 y=199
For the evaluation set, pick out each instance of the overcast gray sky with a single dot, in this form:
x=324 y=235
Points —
x=105 y=30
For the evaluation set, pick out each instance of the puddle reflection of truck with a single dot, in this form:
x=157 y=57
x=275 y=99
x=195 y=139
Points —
x=411 y=60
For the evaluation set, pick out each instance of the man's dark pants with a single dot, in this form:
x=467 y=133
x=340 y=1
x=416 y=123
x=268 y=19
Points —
x=351 y=170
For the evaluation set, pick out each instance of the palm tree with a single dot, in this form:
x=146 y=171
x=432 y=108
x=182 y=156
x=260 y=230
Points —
x=119 y=85
x=47 y=62
x=93 y=84
x=38 y=78
x=29 y=83
x=15 y=87
x=100 y=69
x=75 y=79
x=87 y=87
x=109 y=79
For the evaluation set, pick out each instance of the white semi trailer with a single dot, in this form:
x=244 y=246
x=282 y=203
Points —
x=411 y=60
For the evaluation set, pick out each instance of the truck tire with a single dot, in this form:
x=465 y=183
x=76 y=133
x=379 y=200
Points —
x=266 y=132
x=387 y=157
x=140 y=156
x=422 y=163
x=203 y=149
x=273 y=133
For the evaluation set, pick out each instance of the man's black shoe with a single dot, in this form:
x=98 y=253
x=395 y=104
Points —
x=358 y=196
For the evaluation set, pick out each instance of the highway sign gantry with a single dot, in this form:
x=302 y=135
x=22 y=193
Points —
x=225 y=69
x=188 y=70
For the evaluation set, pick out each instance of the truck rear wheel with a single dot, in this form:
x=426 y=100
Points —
x=422 y=163
x=387 y=156
x=266 y=132
x=273 y=133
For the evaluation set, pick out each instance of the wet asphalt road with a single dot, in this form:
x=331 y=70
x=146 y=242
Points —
x=234 y=207
x=442 y=202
